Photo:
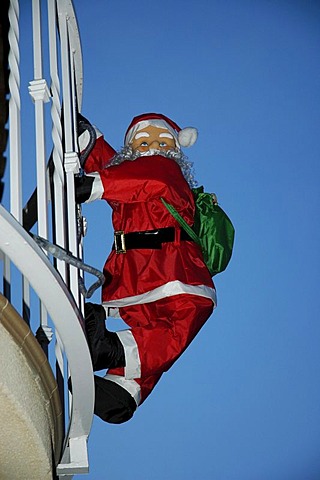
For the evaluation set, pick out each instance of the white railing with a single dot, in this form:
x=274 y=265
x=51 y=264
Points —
x=56 y=91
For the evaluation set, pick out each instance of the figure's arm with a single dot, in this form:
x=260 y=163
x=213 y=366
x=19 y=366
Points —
x=140 y=181
x=94 y=150
x=108 y=186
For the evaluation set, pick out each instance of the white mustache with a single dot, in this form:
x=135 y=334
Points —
x=152 y=151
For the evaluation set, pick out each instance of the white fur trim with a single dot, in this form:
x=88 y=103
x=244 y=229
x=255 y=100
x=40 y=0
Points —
x=188 y=136
x=84 y=138
x=131 y=386
x=97 y=187
x=146 y=123
x=98 y=132
x=133 y=364
x=168 y=290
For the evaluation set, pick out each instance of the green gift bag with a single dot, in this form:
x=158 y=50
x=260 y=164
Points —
x=212 y=230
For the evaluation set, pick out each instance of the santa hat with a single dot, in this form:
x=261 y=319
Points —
x=185 y=137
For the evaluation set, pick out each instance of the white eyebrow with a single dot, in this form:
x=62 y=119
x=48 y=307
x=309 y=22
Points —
x=141 y=134
x=165 y=135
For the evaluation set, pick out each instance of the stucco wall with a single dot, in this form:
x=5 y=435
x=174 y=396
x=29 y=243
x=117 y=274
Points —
x=30 y=410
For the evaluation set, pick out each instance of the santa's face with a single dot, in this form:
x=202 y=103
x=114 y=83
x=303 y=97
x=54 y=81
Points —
x=153 y=138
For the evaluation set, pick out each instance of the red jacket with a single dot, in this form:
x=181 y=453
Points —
x=134 y=189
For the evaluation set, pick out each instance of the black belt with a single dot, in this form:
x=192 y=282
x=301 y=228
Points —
x=148 y=239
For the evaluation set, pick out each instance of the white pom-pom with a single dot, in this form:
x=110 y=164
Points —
x=187 y=136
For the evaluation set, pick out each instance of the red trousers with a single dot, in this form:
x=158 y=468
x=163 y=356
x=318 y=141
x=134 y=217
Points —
x=161 y=331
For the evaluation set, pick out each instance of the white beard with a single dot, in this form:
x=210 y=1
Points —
x=126 y=153
x=153 y=151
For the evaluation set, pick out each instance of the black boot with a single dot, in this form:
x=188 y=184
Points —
x=105 y=347
x=113 y=404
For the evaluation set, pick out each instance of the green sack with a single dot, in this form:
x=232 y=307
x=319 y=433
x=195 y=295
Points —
x=212 y=230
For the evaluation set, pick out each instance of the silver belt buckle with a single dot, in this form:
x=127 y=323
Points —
x=119 y=242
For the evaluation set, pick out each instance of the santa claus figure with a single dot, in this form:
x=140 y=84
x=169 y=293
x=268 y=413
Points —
x=155 y=275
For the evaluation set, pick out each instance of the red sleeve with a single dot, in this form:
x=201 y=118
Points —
x=143 y=179
x=100 y=156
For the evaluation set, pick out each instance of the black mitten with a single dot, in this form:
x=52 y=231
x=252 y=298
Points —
x=83 y=124
x=83 y=188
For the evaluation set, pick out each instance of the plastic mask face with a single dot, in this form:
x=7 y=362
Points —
x=151 y=137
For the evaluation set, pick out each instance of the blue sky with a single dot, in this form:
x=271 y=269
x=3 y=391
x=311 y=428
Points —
x=243 y=402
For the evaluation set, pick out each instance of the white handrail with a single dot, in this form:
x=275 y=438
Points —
x=58 y=297
x=47 y=283
x=65 y=9
x=71 y=160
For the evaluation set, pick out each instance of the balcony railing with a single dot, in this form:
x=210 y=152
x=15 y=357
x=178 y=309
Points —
x=30 y=275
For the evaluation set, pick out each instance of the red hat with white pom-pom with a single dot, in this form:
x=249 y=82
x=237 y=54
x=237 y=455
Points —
x=184 y=137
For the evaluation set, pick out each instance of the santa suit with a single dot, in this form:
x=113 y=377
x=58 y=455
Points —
x=164 y=294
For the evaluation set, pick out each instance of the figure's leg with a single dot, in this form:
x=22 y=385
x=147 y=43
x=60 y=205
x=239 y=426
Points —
x=105 y=347
x=162 y=330
x=113 y=404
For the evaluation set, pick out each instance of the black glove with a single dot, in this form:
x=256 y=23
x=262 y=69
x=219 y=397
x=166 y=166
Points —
x=83 y=188
x=83 y=124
